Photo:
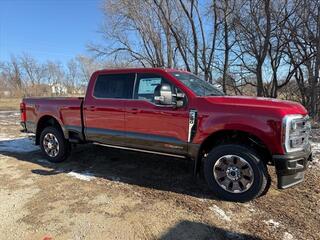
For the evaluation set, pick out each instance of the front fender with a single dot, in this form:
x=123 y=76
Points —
x=267 y=130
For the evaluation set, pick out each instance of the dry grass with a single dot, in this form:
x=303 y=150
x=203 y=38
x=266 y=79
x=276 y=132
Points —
x=9 y=103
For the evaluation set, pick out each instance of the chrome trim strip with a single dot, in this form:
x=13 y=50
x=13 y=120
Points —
x=134 y=85
x=139 y=150
x=192 y=122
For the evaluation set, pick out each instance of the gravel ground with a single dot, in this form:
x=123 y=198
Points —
x=102 y=193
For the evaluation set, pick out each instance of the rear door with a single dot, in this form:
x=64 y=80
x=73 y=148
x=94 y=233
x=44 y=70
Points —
x=153 y=127
x=104 y=108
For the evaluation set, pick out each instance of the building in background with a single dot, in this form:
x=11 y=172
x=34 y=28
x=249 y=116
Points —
x=58 y=89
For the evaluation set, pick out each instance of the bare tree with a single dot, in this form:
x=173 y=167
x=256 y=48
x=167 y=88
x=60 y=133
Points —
x=253 y=26
x=72 y=74
x=195 y=44
x=135 y=32
x=226 y=10
x=34 y=71
x=256 y=47
x=281 y=12
x=162 y=33
x=12 y=73
x=303 y=51
x=87 y=66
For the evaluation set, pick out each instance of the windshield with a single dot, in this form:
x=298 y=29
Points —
x=197 y=85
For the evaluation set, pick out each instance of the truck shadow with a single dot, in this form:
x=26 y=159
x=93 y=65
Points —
x=145 y=170
x=196 y=230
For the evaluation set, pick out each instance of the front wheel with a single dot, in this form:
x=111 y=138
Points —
x=235 y=173
x=54 y=145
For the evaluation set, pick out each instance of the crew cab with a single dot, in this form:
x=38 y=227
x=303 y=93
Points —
x=174 y=113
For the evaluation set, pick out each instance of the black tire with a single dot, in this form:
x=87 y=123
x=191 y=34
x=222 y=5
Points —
x=260 y=174
x=64 y=146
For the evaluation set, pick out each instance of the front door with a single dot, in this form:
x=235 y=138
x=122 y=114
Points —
x=154 y=127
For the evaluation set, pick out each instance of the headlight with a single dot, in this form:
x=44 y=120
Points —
x=296 y=130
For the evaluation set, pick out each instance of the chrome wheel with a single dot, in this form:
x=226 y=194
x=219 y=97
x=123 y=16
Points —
x=51 y=145
x=233 y=173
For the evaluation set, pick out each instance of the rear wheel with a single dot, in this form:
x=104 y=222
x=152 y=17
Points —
x=54 y=145
x=235 y=173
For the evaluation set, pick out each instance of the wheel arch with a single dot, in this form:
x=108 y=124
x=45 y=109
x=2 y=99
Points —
x=46 y=121
x=228 y=136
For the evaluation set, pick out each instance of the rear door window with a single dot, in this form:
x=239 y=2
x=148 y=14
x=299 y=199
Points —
x=114 y=86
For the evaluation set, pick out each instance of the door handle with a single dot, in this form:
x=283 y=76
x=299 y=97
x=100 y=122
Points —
x=135 y=110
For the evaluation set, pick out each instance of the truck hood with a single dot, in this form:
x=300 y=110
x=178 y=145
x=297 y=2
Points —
x=268 y=104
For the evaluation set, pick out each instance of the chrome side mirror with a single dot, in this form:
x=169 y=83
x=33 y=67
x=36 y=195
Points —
x=163 y=94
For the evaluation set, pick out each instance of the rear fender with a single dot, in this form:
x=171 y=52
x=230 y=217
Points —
x=54 y=120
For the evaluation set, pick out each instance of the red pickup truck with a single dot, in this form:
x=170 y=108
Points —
x=175 y=113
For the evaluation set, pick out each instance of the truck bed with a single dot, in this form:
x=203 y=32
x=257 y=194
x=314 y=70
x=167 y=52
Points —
x=66 y=110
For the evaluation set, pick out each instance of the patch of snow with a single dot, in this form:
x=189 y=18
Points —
x=4 y=137
x=315 y=146
x=220 y=213
x=5 y=123
x=20 y=145
x=15 y=113
x=287 y=236
x=316 y=154
x=85 y=176
x=272 y=223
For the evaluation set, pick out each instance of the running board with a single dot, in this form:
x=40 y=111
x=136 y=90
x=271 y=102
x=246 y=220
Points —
x=139 y=150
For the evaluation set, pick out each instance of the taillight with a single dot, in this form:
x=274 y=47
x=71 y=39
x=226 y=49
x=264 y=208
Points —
x=23 y=112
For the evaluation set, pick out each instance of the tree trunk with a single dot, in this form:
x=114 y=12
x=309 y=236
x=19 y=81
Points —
x=260 y=92
x=227 y=49
x=316 y=87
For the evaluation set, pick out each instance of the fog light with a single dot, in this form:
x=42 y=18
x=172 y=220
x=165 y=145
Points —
x=292 y=164
x=296 y=142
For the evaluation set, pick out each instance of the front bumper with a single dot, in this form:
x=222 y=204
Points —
x=290 y=167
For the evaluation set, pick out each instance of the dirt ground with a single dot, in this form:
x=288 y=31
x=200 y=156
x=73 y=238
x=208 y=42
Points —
x=102 y=193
